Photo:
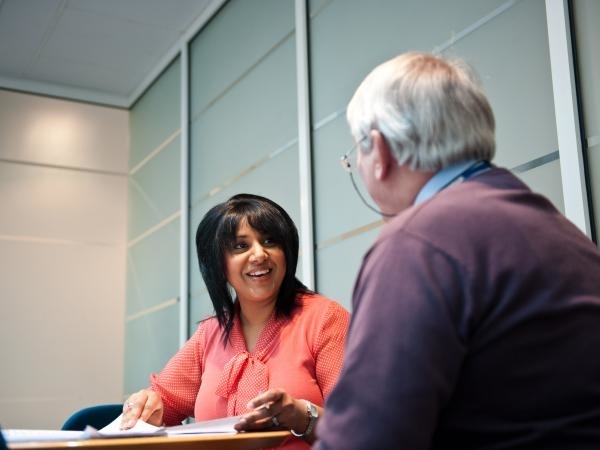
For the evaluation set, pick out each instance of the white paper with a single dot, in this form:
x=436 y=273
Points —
x=113 y=429
x=24 y=435
x=224 y=425
x=141 y=428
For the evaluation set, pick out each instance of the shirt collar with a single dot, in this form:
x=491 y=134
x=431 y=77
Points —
x=441 y=179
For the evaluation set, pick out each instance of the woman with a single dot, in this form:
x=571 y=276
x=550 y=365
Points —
x=273 y=350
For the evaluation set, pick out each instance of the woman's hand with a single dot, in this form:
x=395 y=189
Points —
x=274 y=408
x=146 y=405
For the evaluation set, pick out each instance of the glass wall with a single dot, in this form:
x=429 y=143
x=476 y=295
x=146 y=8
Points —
x=506 y=42
x=243 y=131
x=243 y=119
x=152 y=309
x=586 y=14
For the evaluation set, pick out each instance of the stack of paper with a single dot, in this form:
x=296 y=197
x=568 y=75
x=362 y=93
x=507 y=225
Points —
x=224 y=425
x=24 y=435
x=141 y=428
x=112 y=430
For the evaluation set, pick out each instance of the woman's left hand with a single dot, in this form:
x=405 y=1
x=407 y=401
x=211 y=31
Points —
x=274 y=408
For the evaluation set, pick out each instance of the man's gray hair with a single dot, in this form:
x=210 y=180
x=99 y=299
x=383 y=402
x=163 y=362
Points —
x=432 y=111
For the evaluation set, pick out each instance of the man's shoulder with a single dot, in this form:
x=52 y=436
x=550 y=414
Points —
x=459 y=208
x=452 y=222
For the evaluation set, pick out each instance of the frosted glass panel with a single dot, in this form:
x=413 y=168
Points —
x=505 y=41
x=200 y=308
x=587 y=32
x=594 y=161
x=345 y=46
x=339 y=264
x=232 y=45
x=152 y=340
x=256 y=118
x=153 y=258
x=546 y=180
x=156 y=116
x=244 y=118
x=516 y=76
x=153 y=269
x=154 y=193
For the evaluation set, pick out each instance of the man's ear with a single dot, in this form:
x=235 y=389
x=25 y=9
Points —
x=383 y=156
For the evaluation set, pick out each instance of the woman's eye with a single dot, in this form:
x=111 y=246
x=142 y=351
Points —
x=269 y=242
x=239 y=245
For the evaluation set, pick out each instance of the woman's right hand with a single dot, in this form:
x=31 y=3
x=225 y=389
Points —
x=277 y=408
x=146 y=405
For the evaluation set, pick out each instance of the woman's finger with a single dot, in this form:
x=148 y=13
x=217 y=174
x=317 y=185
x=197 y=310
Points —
x=266 y=399
x=133 y=408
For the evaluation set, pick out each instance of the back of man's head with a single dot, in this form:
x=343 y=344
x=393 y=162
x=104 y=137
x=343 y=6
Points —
x=431 y=110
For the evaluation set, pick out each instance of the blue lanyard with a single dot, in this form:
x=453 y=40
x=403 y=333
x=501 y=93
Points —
x=456 y=173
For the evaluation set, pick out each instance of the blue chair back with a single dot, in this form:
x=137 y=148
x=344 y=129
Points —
x=97 y=416
x=3 y=445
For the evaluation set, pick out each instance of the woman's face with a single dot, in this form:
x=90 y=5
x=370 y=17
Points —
x=255 y=266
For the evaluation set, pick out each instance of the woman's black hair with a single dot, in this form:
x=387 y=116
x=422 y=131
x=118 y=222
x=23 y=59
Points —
x=216 y=235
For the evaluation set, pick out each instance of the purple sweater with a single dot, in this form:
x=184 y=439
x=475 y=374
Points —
x=476 y=325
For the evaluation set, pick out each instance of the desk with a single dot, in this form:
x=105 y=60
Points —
x=242 y=441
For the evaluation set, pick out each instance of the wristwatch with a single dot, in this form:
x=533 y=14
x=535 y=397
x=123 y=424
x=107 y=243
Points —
x=313 y=415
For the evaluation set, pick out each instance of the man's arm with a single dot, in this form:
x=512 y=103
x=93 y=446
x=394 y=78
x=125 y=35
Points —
x=403 y=352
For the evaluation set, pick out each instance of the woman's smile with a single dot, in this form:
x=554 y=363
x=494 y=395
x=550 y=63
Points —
x=255 y=265
x=259 y=273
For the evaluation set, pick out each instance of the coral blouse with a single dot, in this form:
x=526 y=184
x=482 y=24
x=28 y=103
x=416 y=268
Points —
x=301 y=354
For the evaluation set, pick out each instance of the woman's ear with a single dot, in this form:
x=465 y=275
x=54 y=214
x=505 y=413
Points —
x=382 y=157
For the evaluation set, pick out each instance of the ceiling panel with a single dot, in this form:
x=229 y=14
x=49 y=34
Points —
x=90 y=49
x=22 y=28
x=176 y=15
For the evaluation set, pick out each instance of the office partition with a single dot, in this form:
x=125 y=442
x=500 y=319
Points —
x=243 y=120
x=505 y=41
x=239 y=92
x=152 y=307
x=586 y=36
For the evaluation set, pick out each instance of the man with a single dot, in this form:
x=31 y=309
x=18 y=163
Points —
x=476 y=313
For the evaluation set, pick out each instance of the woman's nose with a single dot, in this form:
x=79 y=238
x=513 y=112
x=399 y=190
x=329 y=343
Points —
x=258 y=253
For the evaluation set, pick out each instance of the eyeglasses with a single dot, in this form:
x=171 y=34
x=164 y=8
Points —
x=348 y=161
x=345 y=159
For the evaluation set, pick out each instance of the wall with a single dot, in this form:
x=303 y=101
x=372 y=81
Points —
x=243 y=118
x=62 y=257
x=586 y=14
x=243 y=121
x=243 y=137
x=152 y=307
x=506 y=42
